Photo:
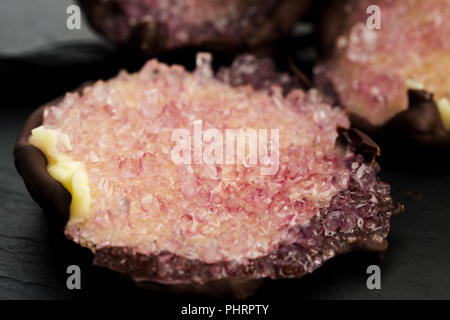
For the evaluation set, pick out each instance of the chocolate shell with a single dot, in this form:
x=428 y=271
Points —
x=416 y=133
x=357 y=218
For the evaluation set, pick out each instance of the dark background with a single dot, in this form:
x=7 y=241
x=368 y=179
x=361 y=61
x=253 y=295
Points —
x=40 y=59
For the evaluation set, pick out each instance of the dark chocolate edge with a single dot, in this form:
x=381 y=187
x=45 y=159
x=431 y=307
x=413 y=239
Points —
x=420 y=125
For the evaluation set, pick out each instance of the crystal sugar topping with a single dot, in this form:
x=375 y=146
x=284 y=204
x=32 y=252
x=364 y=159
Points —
x=122 y=131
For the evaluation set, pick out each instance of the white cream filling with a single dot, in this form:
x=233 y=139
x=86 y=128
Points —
x=71 y=174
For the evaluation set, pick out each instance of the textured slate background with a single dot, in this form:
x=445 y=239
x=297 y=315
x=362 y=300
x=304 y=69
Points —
x=33 y=260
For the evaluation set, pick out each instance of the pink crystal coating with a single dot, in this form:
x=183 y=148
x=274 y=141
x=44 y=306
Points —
x=121 y=130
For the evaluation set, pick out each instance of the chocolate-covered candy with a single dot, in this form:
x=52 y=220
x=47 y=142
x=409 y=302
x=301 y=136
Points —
x=152 y=27
x=369 y=71
x=354 y=212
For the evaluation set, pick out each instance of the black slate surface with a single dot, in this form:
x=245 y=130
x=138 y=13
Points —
x=34 y=258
